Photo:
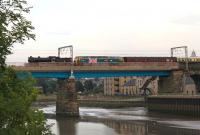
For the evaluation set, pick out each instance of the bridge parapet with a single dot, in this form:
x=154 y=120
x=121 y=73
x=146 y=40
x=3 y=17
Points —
x=140 y=66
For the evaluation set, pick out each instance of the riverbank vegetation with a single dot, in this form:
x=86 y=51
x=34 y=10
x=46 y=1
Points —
x=17 y=93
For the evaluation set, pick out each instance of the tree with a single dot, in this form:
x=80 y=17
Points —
x=88 y=84
x=14 y=27
x=99 y=89
x=48 y=85
x=79 y=86
x=51 y=85
x=16 y=95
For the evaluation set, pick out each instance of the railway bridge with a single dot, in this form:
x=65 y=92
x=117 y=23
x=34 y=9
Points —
x=171 y=77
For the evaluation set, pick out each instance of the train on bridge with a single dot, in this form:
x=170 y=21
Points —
x=85 y=60
x=48 y=59
x=99 y=60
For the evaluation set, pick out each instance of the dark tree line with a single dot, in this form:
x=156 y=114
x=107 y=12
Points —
x=88 y=87
x=49 y=86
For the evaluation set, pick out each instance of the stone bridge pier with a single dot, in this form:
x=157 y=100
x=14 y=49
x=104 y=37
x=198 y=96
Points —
x=66 y=104
x=179 y=82
x=171 y=84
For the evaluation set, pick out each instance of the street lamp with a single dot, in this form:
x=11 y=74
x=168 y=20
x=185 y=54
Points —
x=70 y=47
x=186 y=54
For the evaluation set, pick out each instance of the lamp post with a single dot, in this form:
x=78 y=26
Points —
x=70 y=47
x=186 y=54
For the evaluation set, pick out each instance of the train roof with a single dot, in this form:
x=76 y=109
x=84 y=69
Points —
x=99 y=56
x=147 y=57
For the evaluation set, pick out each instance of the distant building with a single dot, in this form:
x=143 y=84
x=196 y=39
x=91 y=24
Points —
x=190 y=87
x=193 y=54
x=127 y=85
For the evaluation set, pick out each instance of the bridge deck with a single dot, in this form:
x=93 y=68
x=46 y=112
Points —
x=56 y=70
x=136 y=67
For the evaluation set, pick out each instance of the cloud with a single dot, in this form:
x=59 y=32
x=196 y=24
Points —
x=59 y=33
x=190 y=19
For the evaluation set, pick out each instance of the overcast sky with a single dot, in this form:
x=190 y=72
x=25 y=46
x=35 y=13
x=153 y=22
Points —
x=112 y=27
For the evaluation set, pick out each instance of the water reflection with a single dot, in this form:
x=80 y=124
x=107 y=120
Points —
x=66 y=126
x=162 y=129
x=148 y=128
x=91 y=128
x=122 y=127
x=95 y=126
x=96 y=121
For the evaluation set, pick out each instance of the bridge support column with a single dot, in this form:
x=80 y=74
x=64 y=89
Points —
x=66 y=104
x=178 y=83
x=172 y=84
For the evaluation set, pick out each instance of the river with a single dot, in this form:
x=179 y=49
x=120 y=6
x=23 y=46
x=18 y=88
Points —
x=126 y=121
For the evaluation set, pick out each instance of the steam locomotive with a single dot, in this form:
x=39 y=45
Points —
x=48 y=59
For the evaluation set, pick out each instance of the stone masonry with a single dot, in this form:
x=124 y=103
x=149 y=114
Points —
x=177 y=83
x=66 y=104
x=172 y=84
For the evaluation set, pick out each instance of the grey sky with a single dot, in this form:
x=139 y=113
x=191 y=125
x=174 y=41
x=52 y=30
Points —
x=112 y=27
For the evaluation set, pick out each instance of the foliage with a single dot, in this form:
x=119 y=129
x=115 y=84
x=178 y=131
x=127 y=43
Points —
x=99 y=89
x=16 y=96
x=89 y=85
x=79 y=86
x=14 y=27
x=48 y=85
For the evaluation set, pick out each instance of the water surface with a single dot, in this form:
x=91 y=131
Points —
x=127 y=121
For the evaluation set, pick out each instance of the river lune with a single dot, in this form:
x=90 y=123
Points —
x=124 y=121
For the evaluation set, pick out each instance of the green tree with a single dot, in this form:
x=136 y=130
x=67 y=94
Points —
x=51 y=85
x=79 y=86
x=88 y=84
x=48 y=85
x=16 y=95
x=99 y=89
x=14 y=27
